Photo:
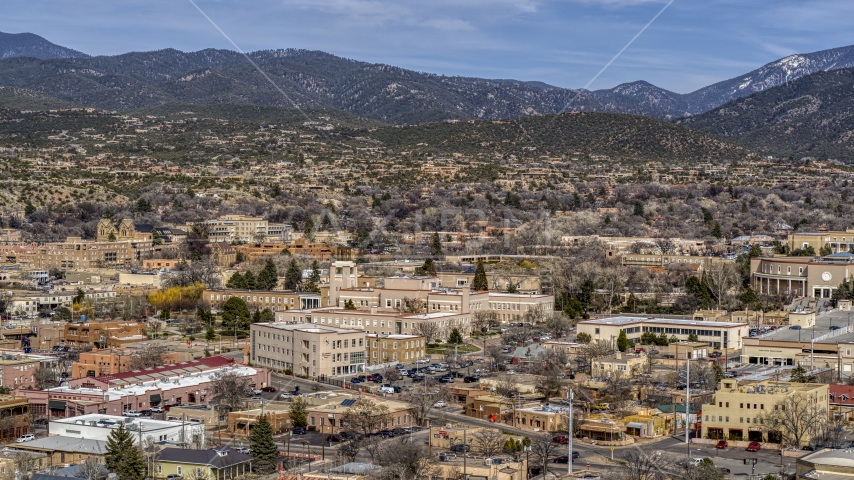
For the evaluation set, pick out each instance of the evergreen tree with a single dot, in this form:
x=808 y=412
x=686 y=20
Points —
x=235 y=313
x=299 y=412
x=349 y=305
x=315 y=272
x=263 y=449
x=755 y=251
x=716 y=231
x=692 y=337
x=799 y=375
x=456 y=337
x=436 y=245
x=122 y=456
x=429 y=267
x=622 y=341
x=249 y=278
x=480 y=283
x=825 y=250
x=293 y=276
x=236 y=281
x=210 y=334
x=638 y=211
x=583 y=337
x=268 y=277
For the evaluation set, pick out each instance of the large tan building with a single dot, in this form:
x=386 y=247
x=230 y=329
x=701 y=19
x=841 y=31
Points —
x=310 y=350
x=724 y=335
x=814 y=277
x=277 y=301
x=107 y=362
x=244 y=229
x=736 y=411
x=394 y=348
x=300 y=246
x=838 y=241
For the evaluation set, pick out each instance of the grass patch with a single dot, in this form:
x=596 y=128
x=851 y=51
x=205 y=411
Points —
x=448 y=349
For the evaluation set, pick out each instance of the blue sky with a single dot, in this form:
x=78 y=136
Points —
x=564 y=42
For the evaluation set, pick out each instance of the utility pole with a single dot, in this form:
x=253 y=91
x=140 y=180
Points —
x=569 y=433
x=687 y=399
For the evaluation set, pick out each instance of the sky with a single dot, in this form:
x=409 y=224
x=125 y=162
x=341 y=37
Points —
x=693 y=43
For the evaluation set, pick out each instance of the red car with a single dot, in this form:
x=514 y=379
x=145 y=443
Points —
x=269 y=389
x=561 y=439
x=753 y=447
x=721 y=444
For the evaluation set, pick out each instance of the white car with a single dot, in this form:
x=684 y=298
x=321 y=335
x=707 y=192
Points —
x=286 y=395
x=26 y=438
x=440 y=404
x=132 y=413
x=157 y=409
x=257 y=391
x=423 y=360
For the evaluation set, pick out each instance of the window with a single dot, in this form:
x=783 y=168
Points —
x=159 y=468
x=179 y=471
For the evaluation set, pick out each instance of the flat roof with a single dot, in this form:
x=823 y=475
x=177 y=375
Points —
x=66 y=444
x=666 y=321
x=309 y=327
x=835 y=458
x=113 y=421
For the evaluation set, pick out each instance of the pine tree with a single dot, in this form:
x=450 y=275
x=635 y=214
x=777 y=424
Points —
x=638 y=211
x=268 y=277
x=263 y=449
x=622 y=341
x=237 y=281
x=436 y=245
x=249 y=278
x=293 y=276
x=315 y=272
x=123 y=457
x=456 y=337
x=429 y=267
x=299 y=412
x=480 y=283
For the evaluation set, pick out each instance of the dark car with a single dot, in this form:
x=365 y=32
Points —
x=145 y=413
x=385 y=433
x=298 y=431
x=470 y=379
x=418 y=378
x=355 y=380
x=378 y=378
x=350 y=435
x=370 y=377
x=269 y=389
x=565 y=458
x=461 y=448
x=335 y=438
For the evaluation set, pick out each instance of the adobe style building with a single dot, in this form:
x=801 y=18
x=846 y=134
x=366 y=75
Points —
x=723 y=335
x=394 y=348
x=305 y=349
x=815 y=277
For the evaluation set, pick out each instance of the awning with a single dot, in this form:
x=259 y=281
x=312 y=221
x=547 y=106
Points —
x=635 y=425
x=56 y=404
x=155 y=398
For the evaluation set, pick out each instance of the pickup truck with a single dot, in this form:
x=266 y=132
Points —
x=132 y=413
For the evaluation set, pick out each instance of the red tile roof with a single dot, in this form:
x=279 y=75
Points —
x=207 y=363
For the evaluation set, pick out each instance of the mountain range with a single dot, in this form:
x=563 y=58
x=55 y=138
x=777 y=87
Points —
x=318 y=80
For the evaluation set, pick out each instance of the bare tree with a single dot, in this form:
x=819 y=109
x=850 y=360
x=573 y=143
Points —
x=412 y=305
x=637 y=465
x=392 y=375
x=186 y=274
x=228 y=391
x=428 y=330
x=91 y=469
x=798 y=418
x=481 y=320
x=557 y=325
x=543 y=448
x=488 y=442
x=592 y=351
x=147 y=357
x=720 y=277
x=366 y=417
x=506 y=386
x=405 y=461
x=618 y=391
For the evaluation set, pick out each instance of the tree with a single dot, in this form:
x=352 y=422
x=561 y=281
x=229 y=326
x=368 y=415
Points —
x=488 y=442
x=237 y=281
x=455 y=338
x=90 y=469
x=428 y=330
x=543 y=448
x=264 y=451
x=638 y=209
x=557 y=325
x=799 y=375
x=436 y=245
x=482 y=319
x=367 y=417
x=622 y=341
x=716 y=231
x=268 y=277
x=63 y=314
x=299 y=412
x=480 y=283
x=122 y=456
x=692 y=337
x=349 y=305
x=235 y=313
x=249 y=279
x=637 y=465
x=719 y=276
x=583 y=337
x=210 y=334
x=293 y=276
x=798 y=418
x=825 y=250
x=429 y=267
x=405 y=461
x=147 y=357
x=227 y=391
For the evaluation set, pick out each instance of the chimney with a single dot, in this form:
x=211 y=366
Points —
x=618 y=355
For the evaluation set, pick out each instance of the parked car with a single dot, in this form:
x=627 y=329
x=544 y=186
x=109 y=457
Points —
x=795 y=327
x=385 y=389
x=132 y=413
x=335 y=438
x=385 y=433
x=470 y=379
x=269 y=389
x=286 y=395
x=26 y=437
x=370 y=377
x=423 y=360
x=440 y=404
x=447 y=379
x=175 y=476
x=753 y=447
x=378 y=377
x=715 y=354
x=565 y=458
x=256 y=391
x=245 y=450
x=298 y=431
x=355 y=380
x=156 y=409
x=561 y=439
x=721 y=444
x=460 y=448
